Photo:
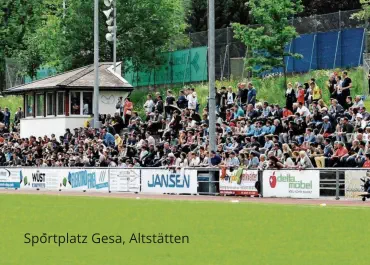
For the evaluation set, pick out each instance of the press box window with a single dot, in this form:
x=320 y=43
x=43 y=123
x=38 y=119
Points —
x=49 y=104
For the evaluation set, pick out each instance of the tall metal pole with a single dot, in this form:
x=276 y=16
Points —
x=115 y=36
x=96 y=64
x=64 y=8
x=211 y=75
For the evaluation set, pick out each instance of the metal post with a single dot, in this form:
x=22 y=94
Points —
x=287 y=60
x=362 y=46
x=244 y=59
x=115 y=36
x=224 y=63
x=96 y=64
x=211 y=71
x=64 y=8
x=336 y=49
x=186 y=66
x=337 y=185
x=313 y=48
x=228 y=54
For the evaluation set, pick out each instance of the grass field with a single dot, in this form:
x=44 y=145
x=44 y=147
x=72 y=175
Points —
x=219 y=232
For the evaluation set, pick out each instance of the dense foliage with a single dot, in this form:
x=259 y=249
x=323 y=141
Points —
x=267 y=42
x=43 y=33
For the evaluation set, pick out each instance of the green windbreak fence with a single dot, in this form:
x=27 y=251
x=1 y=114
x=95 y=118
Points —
x=182 y=66
x=41 y=73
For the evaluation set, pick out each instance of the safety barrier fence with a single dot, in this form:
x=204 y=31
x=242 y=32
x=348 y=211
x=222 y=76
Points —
x=315 y=183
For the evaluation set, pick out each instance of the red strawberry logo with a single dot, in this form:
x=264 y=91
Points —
x=273 y=180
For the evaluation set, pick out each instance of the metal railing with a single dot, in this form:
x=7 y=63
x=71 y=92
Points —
x=331 y=184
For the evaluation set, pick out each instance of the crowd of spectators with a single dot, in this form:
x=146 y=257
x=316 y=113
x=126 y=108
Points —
x=304 y=133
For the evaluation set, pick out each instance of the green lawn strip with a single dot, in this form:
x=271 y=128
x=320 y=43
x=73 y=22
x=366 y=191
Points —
x=220 y=233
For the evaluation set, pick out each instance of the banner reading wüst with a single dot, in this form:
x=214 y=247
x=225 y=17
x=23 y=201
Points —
x=166 y=181
x=40 y=178
x=291 y=183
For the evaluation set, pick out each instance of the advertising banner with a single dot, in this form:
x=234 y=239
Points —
x=238 y=182
x=10 y=178
x=167 y=181
x=353 y=183
x=39 y=178
x=96 y=180
x=124 y=180
x=291 y=183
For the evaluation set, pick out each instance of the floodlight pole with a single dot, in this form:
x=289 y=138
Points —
x=211 y=75
x=115 y=35
x=96 y=64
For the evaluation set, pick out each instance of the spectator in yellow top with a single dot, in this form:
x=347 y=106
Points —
x=316 y=92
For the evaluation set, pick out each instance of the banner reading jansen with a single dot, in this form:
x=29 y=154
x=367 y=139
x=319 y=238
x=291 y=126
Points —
x=166 y=181
x=238 y=182
x=291 y=183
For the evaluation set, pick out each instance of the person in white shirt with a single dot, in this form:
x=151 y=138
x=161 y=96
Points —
x=194 y=160
x=230 y=97
x=192 y=101
x=182 y=161
x=149 y=104
x=150 y=139
x=303 y=110
x=358 y=103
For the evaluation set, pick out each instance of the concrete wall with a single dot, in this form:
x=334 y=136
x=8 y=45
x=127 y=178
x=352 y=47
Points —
x=49 y=125
x=109 y=99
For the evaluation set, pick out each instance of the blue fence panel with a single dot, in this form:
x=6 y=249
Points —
x=328 y=50
x=303 y=45
x=326 y=45
x=352 y=47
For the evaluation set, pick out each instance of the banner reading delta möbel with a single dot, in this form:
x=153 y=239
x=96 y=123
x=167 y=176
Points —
x=166 y=181
x=238 y=182
x=303 y=184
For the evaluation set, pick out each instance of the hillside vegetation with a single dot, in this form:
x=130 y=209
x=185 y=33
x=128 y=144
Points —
x=268 y=89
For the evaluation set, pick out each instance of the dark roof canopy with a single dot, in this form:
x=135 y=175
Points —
x=81 y=78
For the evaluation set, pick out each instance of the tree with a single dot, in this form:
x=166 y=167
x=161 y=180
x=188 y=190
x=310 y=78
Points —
x=226 y=12
x=145 y=29
x=364 y=14
x=267 y=42
x=19 y=20
x=317 y=7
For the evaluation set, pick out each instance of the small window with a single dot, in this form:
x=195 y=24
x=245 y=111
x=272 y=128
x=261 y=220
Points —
x=87 y=103
x=60 y=105
x=49 y=104
x=39 y=105
x=76 y=103
x=29 y=106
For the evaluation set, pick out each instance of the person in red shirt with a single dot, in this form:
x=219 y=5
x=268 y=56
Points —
x=340 y=152
x=367 y=162
x=301 y=94
x=286 y=112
